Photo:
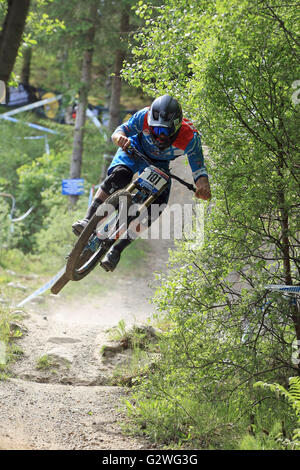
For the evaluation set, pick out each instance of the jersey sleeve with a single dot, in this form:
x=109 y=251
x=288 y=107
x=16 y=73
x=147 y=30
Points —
x=134 y=125
x=195 y=157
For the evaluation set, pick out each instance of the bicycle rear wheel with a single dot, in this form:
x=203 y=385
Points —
x=82 y=259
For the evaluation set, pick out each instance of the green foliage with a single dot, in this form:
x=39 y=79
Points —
x=9 y=351
x=34 y=179
x=62 y=39
x=139 y=346
x=39 y=184
x=133 y=337
x=55 y=237
x=4 y=222
x=292 y=396
x=44 y=362
x=232 y=65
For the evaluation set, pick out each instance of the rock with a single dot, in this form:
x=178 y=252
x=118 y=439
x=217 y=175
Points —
x=19 y=312
x=16 y=285
x=60 y=355
x=38 y=300
x=147 y=330
x=9 y=271
x=63 y=340
x=29 y=277
x=109 y=350
x=29 y=376
x=15 y=326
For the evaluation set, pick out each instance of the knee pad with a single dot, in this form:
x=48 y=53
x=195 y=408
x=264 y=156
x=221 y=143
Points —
x=120 y=177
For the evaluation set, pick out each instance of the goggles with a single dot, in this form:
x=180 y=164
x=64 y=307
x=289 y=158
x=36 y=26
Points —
x=161 y=135
x=160 y=132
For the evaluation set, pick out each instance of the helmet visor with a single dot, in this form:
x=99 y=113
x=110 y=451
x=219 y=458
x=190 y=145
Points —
x=161 y=135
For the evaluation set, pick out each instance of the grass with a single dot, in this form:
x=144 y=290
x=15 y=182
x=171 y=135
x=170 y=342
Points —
x=176 y=415
x=134 y=337
x=139 y=349
x=9 y=350
x=131 y=369
x=44 y=362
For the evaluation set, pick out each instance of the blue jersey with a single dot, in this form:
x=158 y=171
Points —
x=187 y=142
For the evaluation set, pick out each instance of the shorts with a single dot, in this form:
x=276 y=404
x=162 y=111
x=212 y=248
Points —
x=137 y=166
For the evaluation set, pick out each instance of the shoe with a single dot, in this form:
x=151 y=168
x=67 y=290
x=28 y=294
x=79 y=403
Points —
x=111 y=260
x=79 y=226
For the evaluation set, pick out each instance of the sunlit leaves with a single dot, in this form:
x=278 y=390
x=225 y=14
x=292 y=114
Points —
x=231 y=64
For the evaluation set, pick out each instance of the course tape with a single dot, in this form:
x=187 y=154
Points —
x=28 y=107
x=29 y=124
x=94 y=119
x=18 y=219
x=42 y=289
x=284 y=288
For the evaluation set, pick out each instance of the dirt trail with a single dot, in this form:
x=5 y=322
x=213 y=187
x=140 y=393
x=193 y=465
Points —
x=72 y=406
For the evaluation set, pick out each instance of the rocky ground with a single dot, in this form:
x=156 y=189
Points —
x=60 y=395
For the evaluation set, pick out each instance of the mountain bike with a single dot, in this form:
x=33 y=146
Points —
x=113 y=219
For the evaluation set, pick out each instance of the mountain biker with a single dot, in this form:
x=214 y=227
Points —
x=162 y=134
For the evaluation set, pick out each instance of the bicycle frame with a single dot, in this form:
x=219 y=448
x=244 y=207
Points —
x=149 y=185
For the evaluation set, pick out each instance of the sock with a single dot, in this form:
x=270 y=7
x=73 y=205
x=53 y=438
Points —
x=92 y=209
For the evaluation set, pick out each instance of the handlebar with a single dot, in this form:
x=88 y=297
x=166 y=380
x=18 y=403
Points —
x=133 y=152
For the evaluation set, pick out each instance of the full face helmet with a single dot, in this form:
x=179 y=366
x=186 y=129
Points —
x=164 y=120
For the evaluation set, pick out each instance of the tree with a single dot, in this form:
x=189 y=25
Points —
x=116 y=81
x=39 y=28
x=237 y=86
x=232 y=65
x=25 y=72
x=11 y=35
x=76 y=158
x=109 y=42
x=120 y=54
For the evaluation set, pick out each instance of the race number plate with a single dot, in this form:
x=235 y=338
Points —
x=153 y=179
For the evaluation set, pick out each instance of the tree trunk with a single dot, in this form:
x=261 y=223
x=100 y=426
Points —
x=285 y=243
x=25 y=72
x=11 y=35
x=116 y=85
x=76 y=159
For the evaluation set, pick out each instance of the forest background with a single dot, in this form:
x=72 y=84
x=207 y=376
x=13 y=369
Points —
x=228 y=369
